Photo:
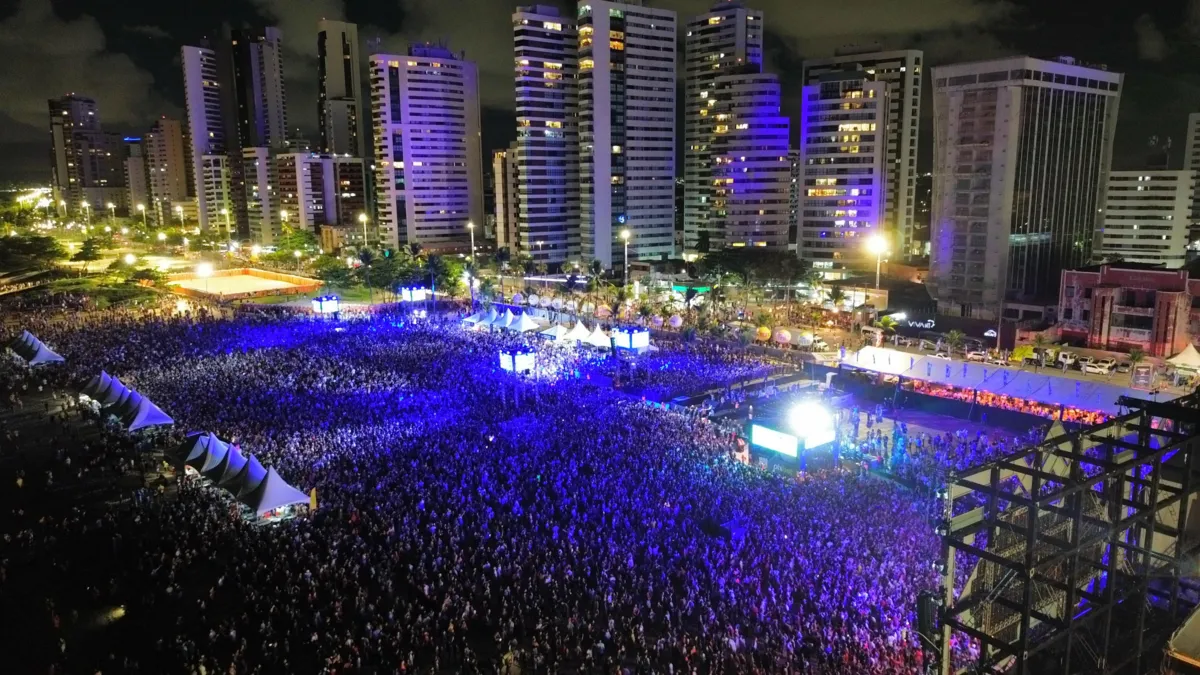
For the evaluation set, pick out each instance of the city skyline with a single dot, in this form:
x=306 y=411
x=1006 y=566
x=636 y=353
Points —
x=128 y=61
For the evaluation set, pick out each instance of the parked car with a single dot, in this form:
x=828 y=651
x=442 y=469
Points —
x=1124 y=367
x=977 y=356
x=1101 y=367
x=941 y=355
x=997 y=361
x=925 y=345
x=902 y=341
x=1082 y=362
x=1067 y=358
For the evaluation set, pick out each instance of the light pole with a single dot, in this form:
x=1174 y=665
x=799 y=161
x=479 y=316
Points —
x=283 y=216
x=297 y=255
x=625 y=238
x=87 y=214
x=877 y=245
x=204 y=271
x=112 y=213
x=362 y=218
x=142 y=208
x=179 y=215
x=62 y=208
x=471 y=229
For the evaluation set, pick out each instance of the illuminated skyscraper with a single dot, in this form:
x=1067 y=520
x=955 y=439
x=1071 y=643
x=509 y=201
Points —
x=339 y=105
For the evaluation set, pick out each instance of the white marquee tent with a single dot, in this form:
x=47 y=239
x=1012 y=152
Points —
x=523 y=324
x=556 y=332
x=33 y=350
x=1188 y=359
x=271 y=493
x=599 y=339
x=578 y=333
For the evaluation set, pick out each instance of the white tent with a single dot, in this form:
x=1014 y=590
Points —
x=213 y=456
x=579 y=333
x=272 y=493
x=115 y=392
x=474 y=318
x=120 y=401
x=506 y=320
x=234 y=462
x=599 y=339
x=97 y=384
x=45 y=355
x=523 y=324
x=33 y=350
x=126 y=407
x=192 y=449
x=148 y=415
x=557 y=332
x=248 y=478
x=1188 y=359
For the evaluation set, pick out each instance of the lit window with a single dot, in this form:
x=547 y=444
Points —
x=552 y=26
x=586 y=64
x=615 y=45
x=554 y=124
x=714 y=20
x=742 y=127
x=617 y=149
x=553 y=66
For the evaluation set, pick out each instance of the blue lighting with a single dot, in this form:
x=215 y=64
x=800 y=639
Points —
x=621 y=219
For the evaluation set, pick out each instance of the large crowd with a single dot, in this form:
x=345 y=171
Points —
x=468 y=521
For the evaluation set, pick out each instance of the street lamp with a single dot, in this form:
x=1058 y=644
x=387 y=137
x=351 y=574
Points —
x=142 y=208
x=625 y=238
x=228 y=236
x=297 y=254
x=362 y=218
x=878 y=246
x=471 y=229
x=255 y=250
x=112 y=213
x=162 y=236
x=87 y=214
x=130 y=258
x=124 y=231
x=179 y=215
x=204 y=271
x=283 y=216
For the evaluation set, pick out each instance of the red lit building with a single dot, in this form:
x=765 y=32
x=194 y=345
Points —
x=1123 y=306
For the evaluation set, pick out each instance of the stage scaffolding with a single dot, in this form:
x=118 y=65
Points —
x=1053 y=556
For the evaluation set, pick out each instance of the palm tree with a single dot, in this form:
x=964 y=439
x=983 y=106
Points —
x=887 y=323
x=596 y=267
x=1136 y=356
x=837 y=296
x=366 y=257
x=954 y=340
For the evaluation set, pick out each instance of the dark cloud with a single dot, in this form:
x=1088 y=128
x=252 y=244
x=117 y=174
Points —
x=46 y=56
x=1151 y=43
x=149 y=31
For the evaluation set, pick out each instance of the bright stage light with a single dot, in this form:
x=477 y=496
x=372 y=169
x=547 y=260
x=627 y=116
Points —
x=812 y=423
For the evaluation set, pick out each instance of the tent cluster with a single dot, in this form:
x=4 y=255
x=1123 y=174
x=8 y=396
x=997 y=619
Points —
x=244 y=477
x=34 y=351
x=134 y=410
x=507 y=320
x=579 y=333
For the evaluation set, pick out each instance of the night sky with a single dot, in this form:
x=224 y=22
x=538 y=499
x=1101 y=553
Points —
x=125 y=53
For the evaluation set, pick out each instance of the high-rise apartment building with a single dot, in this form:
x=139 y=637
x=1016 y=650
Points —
x=1021 y=155
x=203 y=96
x=627 y=130
x=1147 y=217
x=166 y=169
x=257 y=77
x=350 y=191
x=901 y=71
x=319 y=189
x=339 y=104
x=137 y=181
x=843 y=161
x=428 y=167
x=749 y=204
x=506 y=185
x=263 y=211
x=71 y=117
x=547 y=148
x=728 y=37
x=794 y=199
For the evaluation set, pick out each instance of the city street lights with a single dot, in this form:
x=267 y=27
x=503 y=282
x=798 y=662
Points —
x=162 y=236
x=362 y=218
x=112 y=213
x=878 y=246
x=142 y=208
x=228 y=236
x=625 y=238
x=87 y=214
x=297 y=255
x=283 y=216
x=471 y=229
x=179 y=215
x=204 y=271
x=130 y=259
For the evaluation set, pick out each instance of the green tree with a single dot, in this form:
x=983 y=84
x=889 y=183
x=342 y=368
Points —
x=954 y=340
x=596 y=268
x=887 y=323
x=21 y=251
x=837 y=296
x=334 y=272
x=89 y=251
x=1136 y=356
x=148 y=274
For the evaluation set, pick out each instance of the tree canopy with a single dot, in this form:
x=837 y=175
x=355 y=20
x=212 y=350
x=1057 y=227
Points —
x=20 y=251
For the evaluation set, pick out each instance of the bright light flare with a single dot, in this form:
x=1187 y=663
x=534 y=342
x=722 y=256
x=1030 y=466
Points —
x=130 y=258
x=812 y=423
x=204 y=270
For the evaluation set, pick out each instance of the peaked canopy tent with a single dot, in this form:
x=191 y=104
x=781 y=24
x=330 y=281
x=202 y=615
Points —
x=193 y=448
x=599 y=339
x=579 y=333
x=1188 y=359
x=556 y=332
x=147 y=415
x=33 y=350
x=96 y=384
x=116 y=390
x=506 y=320
x=233 y=464
x=523 y=324
x=1043 y=388
x=272 y=493
x=248 y=478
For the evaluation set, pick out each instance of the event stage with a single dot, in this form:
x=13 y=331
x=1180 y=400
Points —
x=241 y=283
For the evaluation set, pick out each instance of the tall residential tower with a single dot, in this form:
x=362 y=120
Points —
x=627 y=130
x=1021 y=155
x=728 y=36
x=339 y=104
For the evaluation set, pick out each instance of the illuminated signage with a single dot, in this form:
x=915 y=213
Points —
x=629 y=338
x=412 y=294
x=516 y=362
x=784 y=444
x=991 y=332
x=928 y=323
x=325 y=305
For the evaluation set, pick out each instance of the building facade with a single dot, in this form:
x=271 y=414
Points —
x=627 y=130
x=729 y=36
x=166 y=168
x=306 y=188
x=902 y=72
x=1147 y=217
x=262 y=198
x=1022 y=149
x=1191 y=162
x=72 y=118
x=340 y=95
x=137 y=181
x=750 y=200
x=428 y=168
x=505 y=180
x=203 y=96
x=1126 y=306
x=843 y=168
x=547 y=147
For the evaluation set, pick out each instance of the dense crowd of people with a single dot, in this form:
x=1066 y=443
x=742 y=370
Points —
x=468 y=521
